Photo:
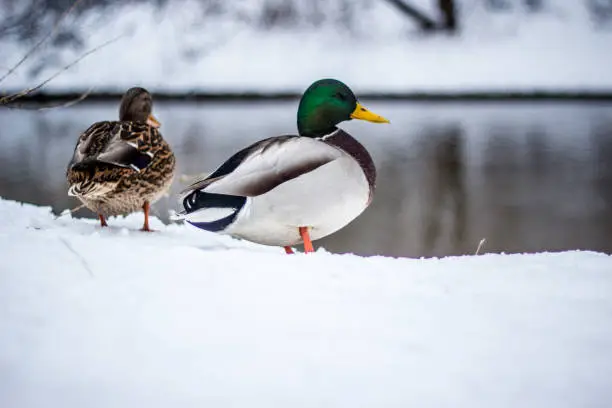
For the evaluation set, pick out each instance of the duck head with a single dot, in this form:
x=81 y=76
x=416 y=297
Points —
x=328 y=102
x=136 y=106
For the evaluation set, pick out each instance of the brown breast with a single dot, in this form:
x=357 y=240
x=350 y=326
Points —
x=350 y=145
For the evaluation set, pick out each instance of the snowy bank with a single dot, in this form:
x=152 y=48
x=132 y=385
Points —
x=180 y=317
x=174 y=49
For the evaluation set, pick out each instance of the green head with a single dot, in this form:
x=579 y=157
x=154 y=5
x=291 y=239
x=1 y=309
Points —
x=326 y=103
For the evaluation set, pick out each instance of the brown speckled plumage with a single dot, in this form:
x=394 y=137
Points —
x=118 y=166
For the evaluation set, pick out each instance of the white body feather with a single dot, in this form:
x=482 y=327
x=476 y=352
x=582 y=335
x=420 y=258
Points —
x=324 y=199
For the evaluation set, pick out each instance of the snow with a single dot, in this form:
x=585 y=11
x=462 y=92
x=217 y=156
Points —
x=175 y=49
x=182 y=317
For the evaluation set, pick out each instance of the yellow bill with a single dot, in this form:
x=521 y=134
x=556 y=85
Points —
x=151 y=121
x=363 y=114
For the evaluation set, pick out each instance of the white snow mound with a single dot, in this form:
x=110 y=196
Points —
x=181 y=317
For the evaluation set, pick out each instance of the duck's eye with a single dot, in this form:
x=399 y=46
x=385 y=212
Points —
x=340 y=96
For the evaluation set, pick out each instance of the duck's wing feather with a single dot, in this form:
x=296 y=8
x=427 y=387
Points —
x=131 y=145
x=266 y=164
x=124 y=144
x=91 y=142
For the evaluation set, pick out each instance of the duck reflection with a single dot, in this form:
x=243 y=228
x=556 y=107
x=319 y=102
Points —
x=444 y=217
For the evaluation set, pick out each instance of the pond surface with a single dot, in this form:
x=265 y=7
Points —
x=524 y=176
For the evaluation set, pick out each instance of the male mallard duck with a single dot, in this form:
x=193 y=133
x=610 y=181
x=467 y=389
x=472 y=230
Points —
x=122 y=166
x=290 y=189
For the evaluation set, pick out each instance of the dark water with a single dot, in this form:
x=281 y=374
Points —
x=526 y=177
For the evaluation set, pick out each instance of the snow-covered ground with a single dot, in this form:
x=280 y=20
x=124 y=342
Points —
x=174 y=49
x=180 y=317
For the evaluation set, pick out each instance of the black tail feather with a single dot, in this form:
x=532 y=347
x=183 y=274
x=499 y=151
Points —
x=199 y=200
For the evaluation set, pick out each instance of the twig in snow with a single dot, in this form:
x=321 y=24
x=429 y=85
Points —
x=42 y=40
x=66 y=212
x=480 y=244
x=80 y=258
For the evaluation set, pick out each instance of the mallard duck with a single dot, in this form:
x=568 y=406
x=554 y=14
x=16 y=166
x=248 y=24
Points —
x=291 y=189
x=119 y=167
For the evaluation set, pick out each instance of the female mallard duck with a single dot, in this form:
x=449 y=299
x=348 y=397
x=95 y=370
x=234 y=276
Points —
x=122 y=166
x=290 y=189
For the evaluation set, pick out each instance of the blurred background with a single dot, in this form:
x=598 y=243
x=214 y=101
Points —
x=501 y=110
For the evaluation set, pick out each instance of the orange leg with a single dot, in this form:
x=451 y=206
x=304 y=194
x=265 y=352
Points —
x=288 y=250
x=146 y=207
x=306 y=238
x=102 y=221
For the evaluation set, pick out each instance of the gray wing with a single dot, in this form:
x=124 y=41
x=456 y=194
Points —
x=116 y=143
x=91 y=142
x=266 y=164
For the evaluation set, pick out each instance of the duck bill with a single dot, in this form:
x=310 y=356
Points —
x=362 y=113
x=153 y=122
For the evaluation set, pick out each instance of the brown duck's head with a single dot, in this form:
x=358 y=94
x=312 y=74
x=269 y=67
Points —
x=136 y=106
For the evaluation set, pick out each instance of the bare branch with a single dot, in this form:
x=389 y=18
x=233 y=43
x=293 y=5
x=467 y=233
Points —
x=64 y=104
x=41 y=41
x=11 y=98
x=449 y=14
x=426 y=22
